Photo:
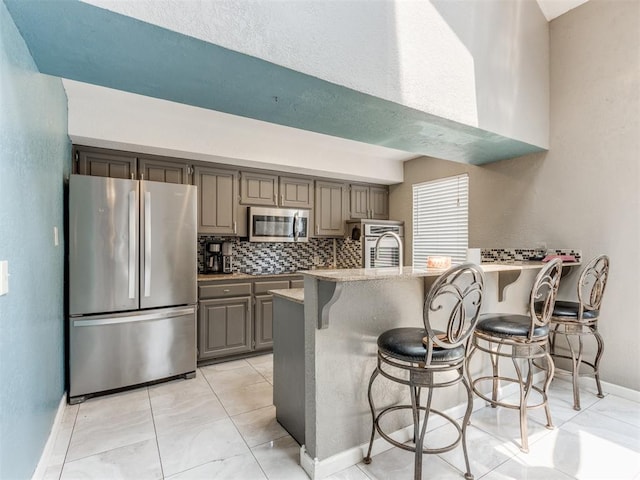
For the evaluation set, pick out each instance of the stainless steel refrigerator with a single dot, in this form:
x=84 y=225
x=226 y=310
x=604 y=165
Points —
x=132 y=283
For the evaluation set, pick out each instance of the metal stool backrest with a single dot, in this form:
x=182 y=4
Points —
x=453 y=306
x=592 y=283
x=544 y=292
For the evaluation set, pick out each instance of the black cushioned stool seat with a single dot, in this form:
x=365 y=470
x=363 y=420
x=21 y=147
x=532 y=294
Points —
x=569 y=310
x=509 y=325
x=406 y=344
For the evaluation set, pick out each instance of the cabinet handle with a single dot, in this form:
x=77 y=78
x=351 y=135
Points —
x=226 y=290
x=317 y=229
x=281 y=199
x=234 y=227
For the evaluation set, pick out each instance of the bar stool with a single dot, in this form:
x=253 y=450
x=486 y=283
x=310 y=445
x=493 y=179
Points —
x=417 y=358
x=575 y=320
x=522 y=338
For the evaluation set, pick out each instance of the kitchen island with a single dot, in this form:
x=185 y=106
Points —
x=343 y=313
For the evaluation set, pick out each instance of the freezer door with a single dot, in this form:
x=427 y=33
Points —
x=121 y=350
x=103 y=244
x=168 y=254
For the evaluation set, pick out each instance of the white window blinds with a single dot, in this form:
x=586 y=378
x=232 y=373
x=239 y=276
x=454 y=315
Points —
x=441 y=219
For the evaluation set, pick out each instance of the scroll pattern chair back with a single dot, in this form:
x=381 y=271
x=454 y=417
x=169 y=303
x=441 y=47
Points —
x=543 y=296
x=592 y=283
x=452 y=307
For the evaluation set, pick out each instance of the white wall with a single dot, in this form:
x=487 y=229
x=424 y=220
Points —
x=583 y=193
x=484 y=64
x=108 y=118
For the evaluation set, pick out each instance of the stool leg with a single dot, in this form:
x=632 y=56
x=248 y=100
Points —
x=465 y=423
x=367 y=459
x=525 y=387
x=575 y=370
x=596 y=363
x=496 y=381
x=419 y=441
x=549 y=372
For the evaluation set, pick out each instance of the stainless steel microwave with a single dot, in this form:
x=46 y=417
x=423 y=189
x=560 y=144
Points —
x=278 y=225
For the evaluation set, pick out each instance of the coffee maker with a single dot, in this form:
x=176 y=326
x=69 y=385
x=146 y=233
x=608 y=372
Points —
x=213 y=257
x=227 y=257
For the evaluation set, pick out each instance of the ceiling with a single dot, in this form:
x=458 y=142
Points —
x=114 y=44
x=554 y=8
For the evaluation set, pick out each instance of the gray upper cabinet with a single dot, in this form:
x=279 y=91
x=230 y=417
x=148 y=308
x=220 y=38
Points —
x=258 y=189
x=296 y=192
x=104 y=163
x=164 y=171
x=330 y=211
x=216 y=200
x=369 y=201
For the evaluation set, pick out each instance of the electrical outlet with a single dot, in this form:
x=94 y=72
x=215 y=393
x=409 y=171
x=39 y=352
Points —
x=4 y=277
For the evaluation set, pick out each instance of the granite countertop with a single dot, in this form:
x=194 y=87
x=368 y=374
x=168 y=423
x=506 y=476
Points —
x=243 y=276
x=292 y=294
x=360 y=274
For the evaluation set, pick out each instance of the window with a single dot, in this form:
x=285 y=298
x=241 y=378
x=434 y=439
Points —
x=441 y=219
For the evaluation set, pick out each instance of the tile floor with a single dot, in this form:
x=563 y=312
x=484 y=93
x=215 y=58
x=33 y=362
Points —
x=221 y=425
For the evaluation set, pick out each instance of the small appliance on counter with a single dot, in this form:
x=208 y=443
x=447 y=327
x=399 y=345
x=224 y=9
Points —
x=213 y=257
x=227 y=257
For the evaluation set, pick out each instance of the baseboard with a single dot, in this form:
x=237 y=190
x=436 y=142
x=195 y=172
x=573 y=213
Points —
x=43 y=463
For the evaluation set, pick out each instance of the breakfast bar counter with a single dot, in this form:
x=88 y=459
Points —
x=341 y=313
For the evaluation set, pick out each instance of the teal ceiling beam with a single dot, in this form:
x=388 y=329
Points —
x=78 y=41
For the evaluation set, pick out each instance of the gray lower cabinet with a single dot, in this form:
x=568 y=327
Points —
x=263 y=321
x=224 y=327
x=236 y=318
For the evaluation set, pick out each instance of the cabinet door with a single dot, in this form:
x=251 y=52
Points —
x=379 y=202
x=359 y=203
x=258 y=189
x=216 y=200
x=164 y=171
x=330 y=209
x=224 y=327
x=105 y=164
x=263 y=322
x=296 y=192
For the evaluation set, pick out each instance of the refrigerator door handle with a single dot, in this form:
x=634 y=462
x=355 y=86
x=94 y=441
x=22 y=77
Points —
x=147 y=244
x=176 y=312
x=133 y=235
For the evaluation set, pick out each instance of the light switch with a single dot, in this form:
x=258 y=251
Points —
x=4 y=277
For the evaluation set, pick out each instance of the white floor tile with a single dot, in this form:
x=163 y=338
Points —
x=259 y=426
x=398 y=464
x=182 y=410
x=136 y=461
x=514 y=469
x=221 y=380
x=218 y=367
x=266 y=359
x=486 y=452
x=621 y=409
x=583 y=456
x=280 y=459
x=239 y=467
x=96 y=431
x=247 y=398
x=198 y=445
x=351 y=473
x=613 y=431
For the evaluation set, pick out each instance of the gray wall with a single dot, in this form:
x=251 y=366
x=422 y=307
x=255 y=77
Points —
x=34 y=156
x=583 y=193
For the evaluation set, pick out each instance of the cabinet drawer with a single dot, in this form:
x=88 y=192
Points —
x=224 y=290
x=264 y=287
x=297 y=283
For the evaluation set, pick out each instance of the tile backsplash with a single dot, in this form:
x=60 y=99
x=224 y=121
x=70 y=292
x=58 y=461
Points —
x=523 y=254
x=282 y=257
